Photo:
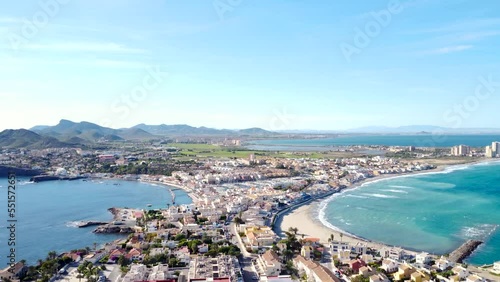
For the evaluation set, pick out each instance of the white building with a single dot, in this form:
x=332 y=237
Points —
x=460 y=271
x=269 y=264
x=389 y=265
x=493 y=151
x=443 y=264
x=495 y=147
x=460 y=150
x=423 y=258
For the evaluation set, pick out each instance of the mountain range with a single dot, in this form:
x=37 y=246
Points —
x=68 y=133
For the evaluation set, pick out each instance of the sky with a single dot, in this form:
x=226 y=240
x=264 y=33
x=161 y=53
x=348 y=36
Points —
x=278 y=65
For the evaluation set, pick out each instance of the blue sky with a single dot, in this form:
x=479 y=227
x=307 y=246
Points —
x=241 y=63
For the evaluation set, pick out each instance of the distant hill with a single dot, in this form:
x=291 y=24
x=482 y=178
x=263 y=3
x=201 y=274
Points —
x=135 y=134
x=22 y=138
x=85 y=133
x=255 y=131
x=183 y=129
x=82 y=132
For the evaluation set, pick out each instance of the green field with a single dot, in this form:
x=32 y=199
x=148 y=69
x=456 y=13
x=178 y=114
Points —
x=190 y=151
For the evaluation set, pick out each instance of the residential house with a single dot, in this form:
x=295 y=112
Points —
x=306 y=251
x=343 y=256
x=269 y=263
x=116 y=253
x=416 y=277
x=460 y=271
x=404 y=272
x=260 y=236
x=443 y=264
x=203 y=248
x=336 y=247
x=359 y=248
x=134 y=255
x=136 y=273
x=367 y=258
x=314 y=271
x=183 y=255
x=16 y=272
x=311 y=241
x=356 y=264
x=423 y=258
x=366 y=271
x=389 y=265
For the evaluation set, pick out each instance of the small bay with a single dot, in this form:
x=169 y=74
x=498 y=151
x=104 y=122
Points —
x=46 y=212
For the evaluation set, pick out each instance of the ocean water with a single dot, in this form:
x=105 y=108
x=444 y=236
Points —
x=434 y=212
x=47 y=212
x=387 y=140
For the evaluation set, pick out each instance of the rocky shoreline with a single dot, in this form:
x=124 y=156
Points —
x=113 y=228
x=43 y=178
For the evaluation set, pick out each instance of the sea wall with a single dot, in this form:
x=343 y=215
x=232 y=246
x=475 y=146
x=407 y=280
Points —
x=464 y=251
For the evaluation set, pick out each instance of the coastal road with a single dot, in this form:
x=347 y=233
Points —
x=248 y=269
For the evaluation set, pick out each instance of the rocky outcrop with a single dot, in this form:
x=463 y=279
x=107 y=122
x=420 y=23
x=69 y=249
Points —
x=107 y=229
x=4 y=170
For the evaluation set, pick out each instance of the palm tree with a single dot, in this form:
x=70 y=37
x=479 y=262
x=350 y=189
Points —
x=341 y=235
x=332 y=237
x=51 y=255
x=293 y=230
x=95 y=246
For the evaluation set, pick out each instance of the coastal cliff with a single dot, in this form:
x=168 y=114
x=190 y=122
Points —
x=42 y=178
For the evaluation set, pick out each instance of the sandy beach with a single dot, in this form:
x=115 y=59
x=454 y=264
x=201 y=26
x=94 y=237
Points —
x=305 y=217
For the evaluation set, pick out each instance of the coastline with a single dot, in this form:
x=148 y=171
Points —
x=168 y=184
x=310 y=219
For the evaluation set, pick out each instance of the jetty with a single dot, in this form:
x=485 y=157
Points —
x=84 y=224
x=464 y=251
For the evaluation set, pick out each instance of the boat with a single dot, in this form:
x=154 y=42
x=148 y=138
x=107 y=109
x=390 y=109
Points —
x=149 y=205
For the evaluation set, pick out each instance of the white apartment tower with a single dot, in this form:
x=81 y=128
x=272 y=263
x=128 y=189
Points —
x=460 y=150
x=495 y=148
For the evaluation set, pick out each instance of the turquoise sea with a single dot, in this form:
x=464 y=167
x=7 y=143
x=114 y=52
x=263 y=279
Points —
x=421 y=140
x=434 y=212
x=47 y=212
